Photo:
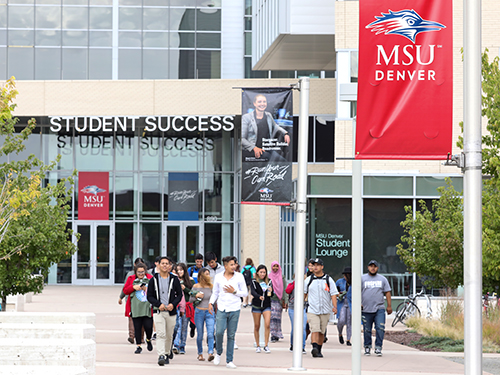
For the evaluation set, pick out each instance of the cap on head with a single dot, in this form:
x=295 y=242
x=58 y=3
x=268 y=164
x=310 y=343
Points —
x=317 y=261
x=374 y=262
x=346 y=270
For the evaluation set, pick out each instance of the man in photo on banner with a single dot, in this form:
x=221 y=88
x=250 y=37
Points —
x=260 y=134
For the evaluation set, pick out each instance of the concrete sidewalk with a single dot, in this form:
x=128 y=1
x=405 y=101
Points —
x=116 y=356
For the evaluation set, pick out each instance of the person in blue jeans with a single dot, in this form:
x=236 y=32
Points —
x=229 y=288
x=373 y=289
x=181 y=326
x=200 y=296
x=290 y=289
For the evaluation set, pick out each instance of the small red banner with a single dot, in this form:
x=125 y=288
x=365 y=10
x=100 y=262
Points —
x=405 y=83
x=93 y=196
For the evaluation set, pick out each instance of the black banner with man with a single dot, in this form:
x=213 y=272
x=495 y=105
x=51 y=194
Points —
x=266 y=145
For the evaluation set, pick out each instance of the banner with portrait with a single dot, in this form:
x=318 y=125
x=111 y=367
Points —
x=266 y=145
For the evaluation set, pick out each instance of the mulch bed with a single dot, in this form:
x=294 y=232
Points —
x=407 y=338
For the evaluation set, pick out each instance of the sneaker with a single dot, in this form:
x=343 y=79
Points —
x=257 y=350
x=378 y=352
x=161 y=360
x=167 y=360
x=130 y=340
x=182 y=351
x=348 y=343
x=138 y=350
x=341 y=339
x=320 y=355
x=245 y=305
x=291 y=348
x=267 y=350
x=235 y=346
x=150 y=345
x=230 y=365
x=170 y=356
x=315 y=352
x=175 y=350
x=210 y=357
x=217 y=360
x=367 y=351
x=274 y=339
x=154 y=336
x=191 y=331
x=325 y=339
x=304 y=351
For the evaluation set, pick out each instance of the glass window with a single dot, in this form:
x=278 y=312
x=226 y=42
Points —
x=47 y=63
x=33 y=144
x=47 y=37
x=155 y=39
x=21 y=17
x=130 y=2
x=248 y=7
x=74 y=63
x=129 y=64
x=208 y=64
x=50 y=2
x=21 y=37
x=208 y=19
x=155 y=18
x=380 y=185
x=155 y=64
x=100 y=18
x=124 y=250
x=181 y=40
x=21 y=1
x=75 y=38
x=126 y=146
x=60 y=143
x=219 y=239
x=130 y=18
x=248 y=44
x=150 y=242
x=185 y=3
x=100 y=63
x=94 y=151
x=208 y=3
x=3 y=63
x=3 y=16
x=308 y=73
x=206 y=40
x=154 y=3
x=218 y=192
x=100 y=38
x=283 y=74
x=150 y=145
x=325 y=141
x=248 y=23
x=150 y=197
x=101 y=2
x=48 y=17
x=75 y=2
x=354 y=66
x=129 y=39
x=381 y=233
x=182 y=151
x=181 y=64
x=182 y=19
x=75 y=18
x=173 y=241
x=427 y=186
x=20 y=63
x=126 y=207
x=3 y=37
x=249 y=73
x=218 y=150
x=330 y=185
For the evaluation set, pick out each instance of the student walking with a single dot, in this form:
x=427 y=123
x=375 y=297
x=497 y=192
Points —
x=279 y=301
x=164 y=293
x=344 y=306
x=138 y=307
x=229 y=287
x=373 y=289
x=200 y=297
x=262 y=291
x=183 y=317
x=249 y=274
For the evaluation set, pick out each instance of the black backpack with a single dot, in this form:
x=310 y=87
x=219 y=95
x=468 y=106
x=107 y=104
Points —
x=247 y=274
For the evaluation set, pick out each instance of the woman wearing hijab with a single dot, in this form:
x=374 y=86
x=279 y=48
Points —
x=279 y=300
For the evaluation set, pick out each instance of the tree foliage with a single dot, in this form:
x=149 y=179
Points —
x=33 y=218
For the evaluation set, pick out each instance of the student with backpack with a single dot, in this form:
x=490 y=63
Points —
x=193 y=270
x=248 y=272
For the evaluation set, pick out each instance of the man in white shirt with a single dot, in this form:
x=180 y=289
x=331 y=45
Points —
x=229 y=287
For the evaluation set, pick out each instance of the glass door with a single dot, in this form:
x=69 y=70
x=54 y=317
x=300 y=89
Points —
x=183 y=240
x=93 y=262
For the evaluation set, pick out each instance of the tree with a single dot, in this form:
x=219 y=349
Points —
x=432 y=244
x=33 y=218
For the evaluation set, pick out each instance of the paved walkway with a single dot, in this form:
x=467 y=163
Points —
x=116 y=356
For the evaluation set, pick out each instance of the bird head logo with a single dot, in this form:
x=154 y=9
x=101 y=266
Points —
x=265 y=191
x=92 y=189
x=407 y=23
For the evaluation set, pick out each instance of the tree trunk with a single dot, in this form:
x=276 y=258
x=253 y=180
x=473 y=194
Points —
x=4 y=304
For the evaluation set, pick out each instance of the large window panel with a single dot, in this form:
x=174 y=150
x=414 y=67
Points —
x=100 y=38
x=182 y=151
x=155 y=18
x=155 y=64
x=381 y=233
x=125 y=194
x=150 y=196
x=21 y=38
x=75 y=38
x=126 y=148
x=129 y=64
x=22 y=17
x=100 y=63
x=208 y=64
x=388 y=185
x=181 y=64
x=75 y=18
x=48 y=63
x=182 y=19
x=208 y=19
x=155 y=39
x=3 y=63
x=130 y=39
x=150 y=144
x=219 y=239
x=218 y=192
x=130 y=18
x=48 y=17
x=325 y=141
x=124 y=250
x=55 y=144
x=48 y=38
x=181 y=40
x=21 y=63
x=150 y=242
x=33 y=144
x=3 y=15
x=218 y=151
x=74 y=63
x=208 y=40
x=94 y=151
x=100 y=18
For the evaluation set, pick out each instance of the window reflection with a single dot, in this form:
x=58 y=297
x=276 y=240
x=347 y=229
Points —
x=124 y=250
x=218 y=192
x=48 y=63
x=74 y=63
x=125 y=206
x=75 y=17
x=150 y=197
x=100 y=63
x=93 y=151
x=150 y=242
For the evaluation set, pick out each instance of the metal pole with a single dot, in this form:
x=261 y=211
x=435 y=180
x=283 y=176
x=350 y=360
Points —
x=472 y=189
x=356 y=256
x=262 y=260
x=300 y=243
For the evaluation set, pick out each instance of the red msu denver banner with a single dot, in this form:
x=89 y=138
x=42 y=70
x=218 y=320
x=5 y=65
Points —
x=405 y=83
x=93 y=196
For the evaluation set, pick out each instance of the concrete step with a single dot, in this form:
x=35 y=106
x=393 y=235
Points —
x=45 y=370
x=48 y=352
x=47 y=318
x=46 y=331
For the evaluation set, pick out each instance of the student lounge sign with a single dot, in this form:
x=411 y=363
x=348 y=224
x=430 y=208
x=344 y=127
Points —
x=93 y=196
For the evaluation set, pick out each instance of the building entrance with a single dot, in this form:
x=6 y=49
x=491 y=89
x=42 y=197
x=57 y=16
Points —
x=93 y=262
x=183 y=240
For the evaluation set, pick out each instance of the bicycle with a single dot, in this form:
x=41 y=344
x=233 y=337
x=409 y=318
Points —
x=408 y=308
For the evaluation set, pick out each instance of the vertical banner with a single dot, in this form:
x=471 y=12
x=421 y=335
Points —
x=183 y=196
x=93 y=196
x=405 y=83
x=266 y=148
